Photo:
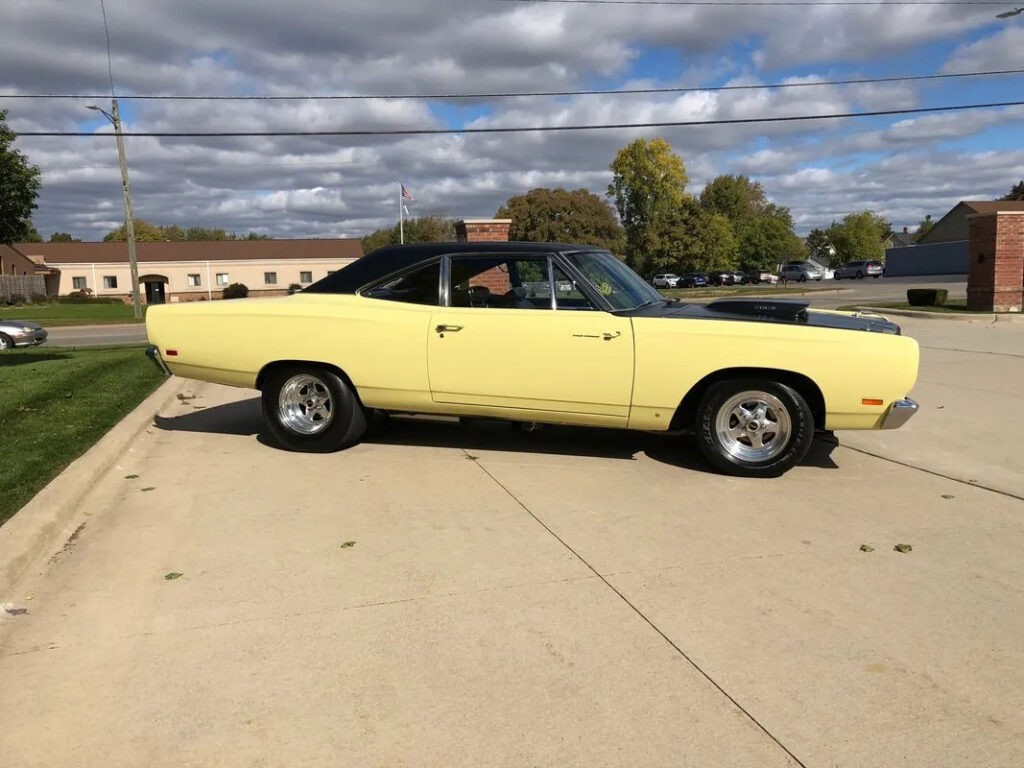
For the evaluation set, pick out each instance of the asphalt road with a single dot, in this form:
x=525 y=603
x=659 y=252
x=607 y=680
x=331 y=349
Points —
x=852 y=292
x=474 y=596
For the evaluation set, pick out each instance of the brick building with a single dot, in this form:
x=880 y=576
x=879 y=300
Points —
x=995 y=280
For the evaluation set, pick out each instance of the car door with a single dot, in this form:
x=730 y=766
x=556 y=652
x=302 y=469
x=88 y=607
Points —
x=518 y=335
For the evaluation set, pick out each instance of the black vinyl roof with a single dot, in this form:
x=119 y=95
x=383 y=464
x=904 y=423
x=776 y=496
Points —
x=394 y=258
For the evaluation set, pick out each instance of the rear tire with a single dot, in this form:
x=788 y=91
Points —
x=754 y=427
x=6 y=342
x=860 y=275
x=311 y=409
x=803 y=279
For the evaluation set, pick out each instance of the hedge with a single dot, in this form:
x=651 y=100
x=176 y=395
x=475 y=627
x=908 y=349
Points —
x=926 y=297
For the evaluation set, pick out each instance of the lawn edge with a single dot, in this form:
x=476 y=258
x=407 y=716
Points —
x=50 y=518
x=963 y=317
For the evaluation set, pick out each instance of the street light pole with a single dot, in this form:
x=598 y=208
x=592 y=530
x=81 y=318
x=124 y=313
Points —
x=129 y=216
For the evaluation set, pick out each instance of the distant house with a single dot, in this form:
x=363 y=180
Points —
x=898 y=239
x=189 y=271
x=944 y=250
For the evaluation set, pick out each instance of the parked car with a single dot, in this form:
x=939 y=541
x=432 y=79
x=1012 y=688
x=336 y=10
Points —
x=21 y=333
x=544 y=333
x=758 y=277
x=860 y=269
x=722 y=278
x=800 y=271
x=693 y=280
x=665 y=280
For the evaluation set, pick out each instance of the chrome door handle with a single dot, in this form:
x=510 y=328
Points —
x=609 y=336
x=443 y=329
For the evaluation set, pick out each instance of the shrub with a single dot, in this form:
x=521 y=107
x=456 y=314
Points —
x=15 y=300
x=926 y=297
x=85 y=297
x=38 y=298
x=294 y=288
x=236 y=291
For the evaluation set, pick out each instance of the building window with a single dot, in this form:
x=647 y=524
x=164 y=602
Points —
x=305 y=277
x=194 y=281
x=222 y=278
x=110 y=281
x=78 y=283
x=270 y=278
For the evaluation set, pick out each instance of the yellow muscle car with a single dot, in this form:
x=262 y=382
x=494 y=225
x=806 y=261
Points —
x=543 y=332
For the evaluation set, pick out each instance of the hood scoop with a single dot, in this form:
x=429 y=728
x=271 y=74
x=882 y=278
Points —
x=794 y=311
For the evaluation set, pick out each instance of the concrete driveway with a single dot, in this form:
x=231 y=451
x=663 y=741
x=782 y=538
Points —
x=562 y=597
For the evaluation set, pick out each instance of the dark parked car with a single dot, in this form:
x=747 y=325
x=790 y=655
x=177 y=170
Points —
x=692 y=280
x=758 y=277
x=857 y=270
x=722 y=278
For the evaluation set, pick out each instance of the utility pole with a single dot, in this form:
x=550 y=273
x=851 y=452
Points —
x=129 y=216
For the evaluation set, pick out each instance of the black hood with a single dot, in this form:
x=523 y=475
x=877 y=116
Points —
x=787 y=312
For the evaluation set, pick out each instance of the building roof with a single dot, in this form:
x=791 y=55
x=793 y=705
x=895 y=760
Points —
x=954 y=226
x=392 y=258
x=902 y=239
x=193 y=250
x=994 y=206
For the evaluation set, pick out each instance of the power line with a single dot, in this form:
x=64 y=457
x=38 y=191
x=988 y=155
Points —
x=517 y=94
x=748 y=3
x=529 y=129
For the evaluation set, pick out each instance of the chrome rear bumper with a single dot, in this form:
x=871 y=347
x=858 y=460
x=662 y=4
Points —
x=899 y=413
x=154 y=354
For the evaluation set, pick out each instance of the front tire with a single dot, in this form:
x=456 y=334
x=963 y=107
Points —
x=860 y=275
x=754 y=428
x=311 y=409
x=6 y=342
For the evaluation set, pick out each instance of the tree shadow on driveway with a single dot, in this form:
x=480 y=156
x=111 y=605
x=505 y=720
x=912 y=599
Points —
x=244 y=417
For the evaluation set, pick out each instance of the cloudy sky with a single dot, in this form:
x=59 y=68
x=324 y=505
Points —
x=903 y=167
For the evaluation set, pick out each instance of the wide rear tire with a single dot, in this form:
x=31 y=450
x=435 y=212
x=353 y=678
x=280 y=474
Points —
x=311 y=409
x=754 y=427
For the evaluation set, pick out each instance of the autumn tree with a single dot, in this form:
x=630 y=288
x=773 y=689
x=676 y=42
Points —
x=649 y=189
x=767 y=242
x=19 y=188
x=63 y=237
x=818 y=246
x=859 y=236
x=559 y=216
x=145 y=232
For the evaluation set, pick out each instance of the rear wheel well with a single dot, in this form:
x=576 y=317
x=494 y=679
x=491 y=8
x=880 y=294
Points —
x=266 y=369
x=687 y=410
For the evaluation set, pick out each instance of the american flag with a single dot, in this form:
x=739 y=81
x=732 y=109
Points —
x=405 y=193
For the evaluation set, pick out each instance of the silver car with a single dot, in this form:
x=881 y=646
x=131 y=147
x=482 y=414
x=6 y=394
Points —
x=856 y=270
x=800 y=271
x=21 y=333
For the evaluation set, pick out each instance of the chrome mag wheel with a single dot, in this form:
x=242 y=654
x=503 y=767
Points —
x=305 y=404
x=753 y=426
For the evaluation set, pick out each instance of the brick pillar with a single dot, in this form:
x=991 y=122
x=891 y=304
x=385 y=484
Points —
x=483 y=230
x=995 y=277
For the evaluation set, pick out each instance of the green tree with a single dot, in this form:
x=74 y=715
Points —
x=1016 y=192
x=144 y=233
x=19 y=188
x=859 y=236
x=32 y=236
x=736 y=197
x=923 y=228
x=818 y=246
x=63 y=237
x=558 y=216
x=424 y=229
x=698 y=241
x=767 y=242
x=649 y=188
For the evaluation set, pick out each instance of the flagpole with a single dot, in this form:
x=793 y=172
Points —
x=401 y=220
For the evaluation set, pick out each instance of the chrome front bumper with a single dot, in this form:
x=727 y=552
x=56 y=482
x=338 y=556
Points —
x=154 y=354
x=899 y=413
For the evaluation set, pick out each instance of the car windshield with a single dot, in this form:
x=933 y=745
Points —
x=621 y=287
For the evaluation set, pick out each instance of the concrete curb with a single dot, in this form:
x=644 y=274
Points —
x=44 y=524
x=965 y=317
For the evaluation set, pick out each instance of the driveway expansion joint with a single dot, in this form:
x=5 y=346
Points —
x=749 y=715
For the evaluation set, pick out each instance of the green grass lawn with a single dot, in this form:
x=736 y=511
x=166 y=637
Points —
x=713 y=291
x=49 y=315
x=55 y=404
x=952 y=306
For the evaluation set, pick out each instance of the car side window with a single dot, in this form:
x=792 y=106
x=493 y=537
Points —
x=500 y=282
x=567 y=292
x=421 y=286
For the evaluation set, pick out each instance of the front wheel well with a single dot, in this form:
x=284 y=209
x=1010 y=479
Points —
x=266 y=369
x=687 y=411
